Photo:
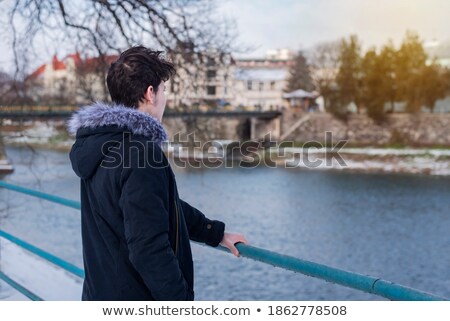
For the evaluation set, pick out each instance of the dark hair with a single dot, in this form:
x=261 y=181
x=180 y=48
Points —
x=133 y=72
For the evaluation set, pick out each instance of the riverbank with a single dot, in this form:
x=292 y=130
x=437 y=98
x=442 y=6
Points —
x=44 y=135
x=370 y=160
x=364 y=160
x=428 y=161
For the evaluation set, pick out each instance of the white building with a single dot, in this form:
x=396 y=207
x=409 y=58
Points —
x=280 y=54
x=260 y=83
x=71 y=80
x=259 y=88
x=204 y=86
x=252 y=84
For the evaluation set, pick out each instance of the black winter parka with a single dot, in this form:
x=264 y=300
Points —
x=135 y=228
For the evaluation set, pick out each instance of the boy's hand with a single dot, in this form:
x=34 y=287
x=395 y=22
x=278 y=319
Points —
x=230 y=239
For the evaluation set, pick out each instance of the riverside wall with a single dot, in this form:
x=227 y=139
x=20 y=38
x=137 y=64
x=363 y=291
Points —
x=419 y=130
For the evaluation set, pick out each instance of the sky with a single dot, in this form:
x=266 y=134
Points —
x=300 y=24
x=303 y=23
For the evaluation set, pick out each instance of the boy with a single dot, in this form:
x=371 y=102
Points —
x=135 y=228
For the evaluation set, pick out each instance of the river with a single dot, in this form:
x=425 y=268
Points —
x=393 y=226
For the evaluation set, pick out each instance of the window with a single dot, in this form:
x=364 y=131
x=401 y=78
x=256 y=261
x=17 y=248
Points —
x=261 y=86
x=249 y=85
x=211 y=73
x=211 y=90
x=272 y=85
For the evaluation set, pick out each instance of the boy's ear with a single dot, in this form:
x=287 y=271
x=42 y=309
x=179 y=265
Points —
x=150 y=94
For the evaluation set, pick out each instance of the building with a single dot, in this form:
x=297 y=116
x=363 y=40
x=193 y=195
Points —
x=203 y=85
x=224 y=82
x=302 y=99
x=259 y=83
x=218 y=82
x=259 y=88
x=70 y=80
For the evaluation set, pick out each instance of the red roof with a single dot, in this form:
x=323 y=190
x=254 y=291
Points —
x=37 y=72
x=58 y=64
x=76 y=58
x=109 y=59
x=88 y=63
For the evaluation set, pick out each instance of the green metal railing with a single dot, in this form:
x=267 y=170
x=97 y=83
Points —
x=69 y=267
x=19 y=287
x=353 y=280
x=48 y=197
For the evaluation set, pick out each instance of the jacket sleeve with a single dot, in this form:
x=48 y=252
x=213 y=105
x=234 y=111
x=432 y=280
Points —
x=202 y=229
x=144 y=202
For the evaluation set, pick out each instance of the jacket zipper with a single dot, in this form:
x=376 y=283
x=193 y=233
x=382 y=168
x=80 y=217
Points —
x=176 y=239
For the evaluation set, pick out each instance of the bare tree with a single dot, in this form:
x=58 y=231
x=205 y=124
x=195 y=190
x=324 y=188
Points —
x=324 y=60
x=189 y=31
x=6 y=83
x=90 y=74
x=2 y=145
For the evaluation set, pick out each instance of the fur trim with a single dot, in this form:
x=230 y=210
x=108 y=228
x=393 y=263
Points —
x=102 y=114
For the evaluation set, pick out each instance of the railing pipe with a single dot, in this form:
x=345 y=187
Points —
x=43 y=254
x=38 y=194
x=348 y=279
x=19 y=287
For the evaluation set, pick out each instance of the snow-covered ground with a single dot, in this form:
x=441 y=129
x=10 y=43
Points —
x=372 y=151
x=407 y=160
x=40 y=134
x=5 y=165
x=44 y=279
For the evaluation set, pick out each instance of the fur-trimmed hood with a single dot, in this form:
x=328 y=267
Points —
x=101 y=114
x=99 y=123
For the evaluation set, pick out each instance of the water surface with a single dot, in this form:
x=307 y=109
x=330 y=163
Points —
x=387 y=225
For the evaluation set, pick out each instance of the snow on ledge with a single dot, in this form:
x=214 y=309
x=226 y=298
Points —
x=41 y=277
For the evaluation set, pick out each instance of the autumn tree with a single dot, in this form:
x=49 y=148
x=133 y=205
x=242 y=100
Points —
x=410 y=61
x=373 y=90
x=349 y=77
x=379 y=81
x=389 y=84
x=435 y=82
x=381 y=78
